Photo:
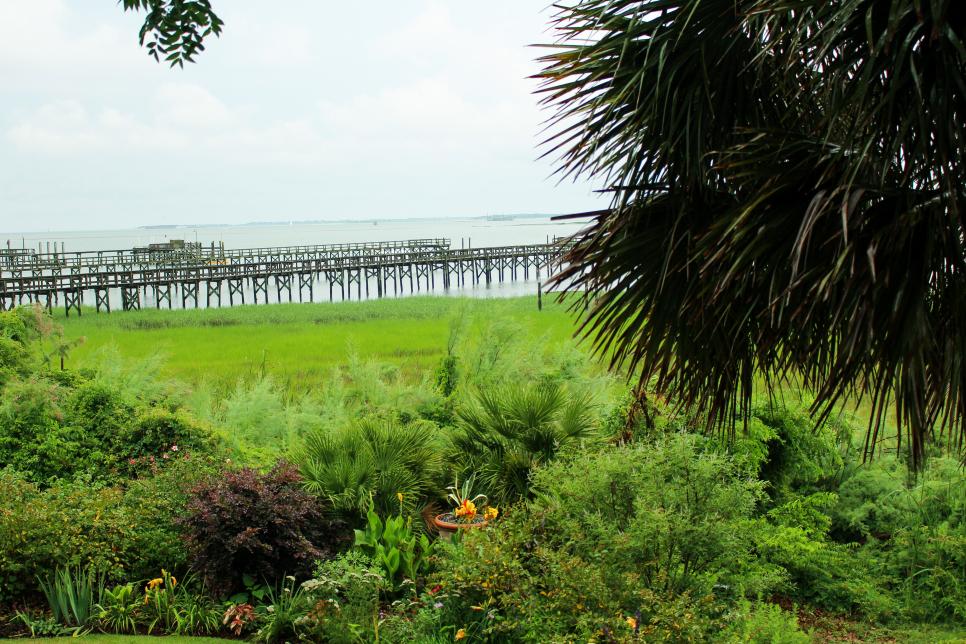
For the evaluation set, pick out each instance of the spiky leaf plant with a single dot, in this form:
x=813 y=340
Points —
x=372 y=461
x=504 y=433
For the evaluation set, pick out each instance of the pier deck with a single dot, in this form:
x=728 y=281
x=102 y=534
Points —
x=200 y=274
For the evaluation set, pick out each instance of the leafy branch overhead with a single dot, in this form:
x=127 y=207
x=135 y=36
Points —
x=175 y=30
x=788 y=199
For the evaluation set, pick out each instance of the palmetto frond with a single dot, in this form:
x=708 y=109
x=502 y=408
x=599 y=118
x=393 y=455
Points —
x=504 y=433
x=372 y=460
x=788 y=199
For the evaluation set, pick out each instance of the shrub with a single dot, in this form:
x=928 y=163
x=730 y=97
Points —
x=124 y=533
x=678 y=514
x=99 y=410
x=514 y=582
x=925 y=559
x=822 y=572
x=32 y=438
x=154 y=504
x=505 y=433
x=370 y=462
x=799 y=455
x=265 y=525
x=647 y=541
x=158 y=435
x=85 y=427
x=72 y=524
x=344 y=596
x=13 y=359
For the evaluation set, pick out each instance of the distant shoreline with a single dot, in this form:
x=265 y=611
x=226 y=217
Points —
x=303 y=222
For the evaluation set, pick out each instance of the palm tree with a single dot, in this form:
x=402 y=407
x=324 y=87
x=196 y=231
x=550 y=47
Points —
x=788 y=192
x=504 y=433
x=373 y=460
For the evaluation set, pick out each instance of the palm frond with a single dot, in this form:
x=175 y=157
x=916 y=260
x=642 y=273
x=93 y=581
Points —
x=788 y=200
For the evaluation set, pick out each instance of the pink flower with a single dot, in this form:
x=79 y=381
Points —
x=174 y=448
x=132 y=461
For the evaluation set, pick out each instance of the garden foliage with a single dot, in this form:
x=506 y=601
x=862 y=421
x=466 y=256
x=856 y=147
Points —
x=240 y=522
x=137 y=508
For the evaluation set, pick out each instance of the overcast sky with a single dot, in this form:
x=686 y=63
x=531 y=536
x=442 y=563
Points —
x=301 y=110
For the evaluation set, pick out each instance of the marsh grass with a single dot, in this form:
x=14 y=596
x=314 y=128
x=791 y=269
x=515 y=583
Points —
x=339 y=358
x=298 y=344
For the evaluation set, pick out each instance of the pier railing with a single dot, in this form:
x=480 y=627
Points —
x=20 y=261
x=385 y=263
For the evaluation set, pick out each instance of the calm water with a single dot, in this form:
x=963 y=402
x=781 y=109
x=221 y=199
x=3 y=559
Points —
x=462 y=233
x=475 y=232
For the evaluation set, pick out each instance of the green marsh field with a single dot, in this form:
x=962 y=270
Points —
x=298 y=344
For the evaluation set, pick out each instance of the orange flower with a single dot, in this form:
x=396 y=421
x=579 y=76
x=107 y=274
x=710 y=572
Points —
x=632 y=623
x=461 y=633
x=491 y=513
x=467 y=510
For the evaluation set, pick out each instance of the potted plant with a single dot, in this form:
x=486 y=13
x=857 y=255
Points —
x=468 y=511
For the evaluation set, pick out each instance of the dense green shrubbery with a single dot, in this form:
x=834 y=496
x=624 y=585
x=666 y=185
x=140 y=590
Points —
x=624 y=522
x=913 y=533
x=93 y=472
x=58 y=424
x=123 y=533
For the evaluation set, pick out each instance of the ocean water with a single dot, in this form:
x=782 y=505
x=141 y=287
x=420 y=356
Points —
x=462 y=233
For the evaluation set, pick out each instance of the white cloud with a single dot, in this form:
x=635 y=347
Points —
x=426 y=107
x=314 y=100
x=51 y=35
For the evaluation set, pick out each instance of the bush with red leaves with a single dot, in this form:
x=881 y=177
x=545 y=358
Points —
x=266 y=525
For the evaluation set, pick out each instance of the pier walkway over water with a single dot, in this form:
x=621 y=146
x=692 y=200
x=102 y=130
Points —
x=195 y=273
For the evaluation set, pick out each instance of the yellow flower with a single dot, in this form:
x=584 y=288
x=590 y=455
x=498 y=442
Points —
x=154 y=583
x=461 y=633
x=467 y=510
x=491 y=513
x=399 y=495
x=632 y=623
x=174 y=582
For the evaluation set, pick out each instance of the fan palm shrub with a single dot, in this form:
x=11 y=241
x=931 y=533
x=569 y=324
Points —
x=373 y=460
x=504 y=433
x=788 y=184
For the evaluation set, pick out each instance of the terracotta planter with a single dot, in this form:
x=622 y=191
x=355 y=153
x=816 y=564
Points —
x=447 y=526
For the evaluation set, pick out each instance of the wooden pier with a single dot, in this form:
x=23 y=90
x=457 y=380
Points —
x=216 y=277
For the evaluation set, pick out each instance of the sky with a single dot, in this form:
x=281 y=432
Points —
x=302 y=110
